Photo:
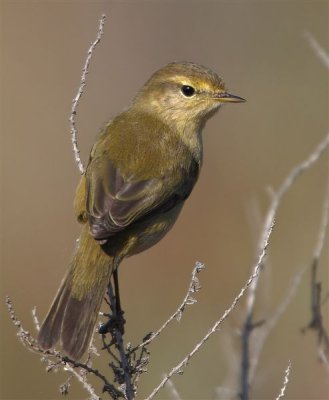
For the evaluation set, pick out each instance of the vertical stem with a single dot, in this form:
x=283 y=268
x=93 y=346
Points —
x=245 y=363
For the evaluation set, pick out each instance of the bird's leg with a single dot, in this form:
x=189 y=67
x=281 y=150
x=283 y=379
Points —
x=118 y=312
x=116 y=319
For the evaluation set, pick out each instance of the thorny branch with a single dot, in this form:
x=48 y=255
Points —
x=75 y=102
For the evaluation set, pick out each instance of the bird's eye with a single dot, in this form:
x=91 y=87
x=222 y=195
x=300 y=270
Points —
x=187 y=91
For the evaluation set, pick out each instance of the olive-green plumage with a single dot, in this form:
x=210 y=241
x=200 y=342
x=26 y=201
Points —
x=141 y=170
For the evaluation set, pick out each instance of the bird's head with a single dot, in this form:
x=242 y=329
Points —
x=184 y=92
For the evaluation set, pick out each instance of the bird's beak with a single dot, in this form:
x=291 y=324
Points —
x=225 y=97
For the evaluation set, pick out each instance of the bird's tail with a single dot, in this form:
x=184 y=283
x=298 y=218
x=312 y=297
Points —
x=73 y=314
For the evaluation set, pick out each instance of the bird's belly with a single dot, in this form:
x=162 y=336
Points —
x=155 y=229
x=144 y=235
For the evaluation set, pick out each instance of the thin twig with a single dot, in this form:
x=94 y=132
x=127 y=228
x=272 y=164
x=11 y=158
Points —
x=194 y=287
x=285 y=382
x=246 y=372
x=266 y=328
x=179 y=367
x=324 y=359
x=82 y=379
x=323 y=227
x=318 y=50
x=316 y=322
x=227 y=389
x=316 y=301
x=31 y=344
x=251 y=298
x=75 y=102
x=35 y=319
x=174 y=395
x=276 y=200
x=80 y=376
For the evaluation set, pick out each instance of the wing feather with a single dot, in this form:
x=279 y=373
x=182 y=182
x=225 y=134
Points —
x=115 y=202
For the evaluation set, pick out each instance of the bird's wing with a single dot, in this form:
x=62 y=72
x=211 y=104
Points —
x=115 y=202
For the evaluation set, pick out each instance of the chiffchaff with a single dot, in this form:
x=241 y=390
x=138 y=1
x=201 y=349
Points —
x=141 y=170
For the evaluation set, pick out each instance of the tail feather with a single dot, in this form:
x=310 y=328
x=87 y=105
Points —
x=79 y=321
x=73 y=314
x=51 y=328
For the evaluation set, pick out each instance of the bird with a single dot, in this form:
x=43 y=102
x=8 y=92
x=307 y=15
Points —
x=141 y=170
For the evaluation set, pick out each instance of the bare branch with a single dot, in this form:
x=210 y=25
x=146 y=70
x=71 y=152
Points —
x=62 y=361
x=35 y=319
x=179 y=367
x=194 y=287
x=323 y=227
x=317 y=48
x=324 y=359
x=251 y=298
x=316 y=322
x=227 y=389
x=252 y=281
x=82 y=379
x=265 y=329
x=174 y=395
x=276 y=200
x=285 y=382
x=75 y=102
x=295 y=172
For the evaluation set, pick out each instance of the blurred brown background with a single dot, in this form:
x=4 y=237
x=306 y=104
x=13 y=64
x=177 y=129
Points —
x=259 y=49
